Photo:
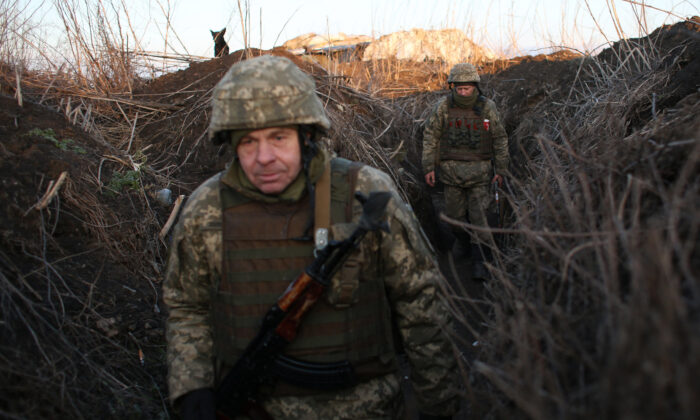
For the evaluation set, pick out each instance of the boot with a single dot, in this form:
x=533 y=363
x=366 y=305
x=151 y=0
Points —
x=479 y=255
x=479 y=271
x=461 y=247
x=460 y=250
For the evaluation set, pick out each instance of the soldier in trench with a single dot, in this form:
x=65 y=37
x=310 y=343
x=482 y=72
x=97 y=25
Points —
x=246 y=233
x=465 y=146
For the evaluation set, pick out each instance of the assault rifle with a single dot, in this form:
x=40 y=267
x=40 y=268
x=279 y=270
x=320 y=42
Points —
x=260 y=361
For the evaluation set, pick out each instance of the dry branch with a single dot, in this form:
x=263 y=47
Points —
x=172 y=218
x=51 y=191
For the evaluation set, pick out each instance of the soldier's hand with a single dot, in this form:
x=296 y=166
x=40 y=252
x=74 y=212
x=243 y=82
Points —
x=198 y=405
x=430 y=178
x=499 y=179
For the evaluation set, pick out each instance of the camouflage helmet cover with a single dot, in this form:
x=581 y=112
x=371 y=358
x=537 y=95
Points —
x=463 y=73
x=265 y=92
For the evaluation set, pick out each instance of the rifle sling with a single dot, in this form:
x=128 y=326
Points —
x=322 y=205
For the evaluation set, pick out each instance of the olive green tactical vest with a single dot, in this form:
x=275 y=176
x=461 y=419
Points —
x=265 y=249
x=465 y=136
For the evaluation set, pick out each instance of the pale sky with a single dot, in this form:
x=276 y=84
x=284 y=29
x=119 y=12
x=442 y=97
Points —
x=505 y=26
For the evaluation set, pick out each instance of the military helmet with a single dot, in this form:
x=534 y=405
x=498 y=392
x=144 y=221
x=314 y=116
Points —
x=463 y=73
x=263 y=92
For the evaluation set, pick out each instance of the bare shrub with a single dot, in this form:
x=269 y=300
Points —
x=593 y=309
x=67 y=345
x=81 y=371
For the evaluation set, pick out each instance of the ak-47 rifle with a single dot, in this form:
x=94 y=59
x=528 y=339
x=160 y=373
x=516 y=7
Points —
x=260 y=361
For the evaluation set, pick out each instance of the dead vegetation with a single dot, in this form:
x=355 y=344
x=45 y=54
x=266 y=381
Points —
x=593 y=310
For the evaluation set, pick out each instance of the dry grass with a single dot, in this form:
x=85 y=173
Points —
x=80 y=372
x=59 y=356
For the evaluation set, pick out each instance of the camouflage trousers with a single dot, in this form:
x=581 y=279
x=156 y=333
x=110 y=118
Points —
x=469 y=204
x=376 y=399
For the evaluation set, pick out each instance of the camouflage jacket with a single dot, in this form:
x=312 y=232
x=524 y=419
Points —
x=461 y=173
x=411 y=278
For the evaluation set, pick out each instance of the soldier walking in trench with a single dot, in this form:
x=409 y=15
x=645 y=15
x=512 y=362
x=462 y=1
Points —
x=248 y=231
x=466 y=147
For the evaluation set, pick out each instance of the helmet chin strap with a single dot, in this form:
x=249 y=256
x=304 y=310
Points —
x=319 y=191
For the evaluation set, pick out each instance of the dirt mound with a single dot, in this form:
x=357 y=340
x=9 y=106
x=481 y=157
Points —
x=38 y=145
x=446 y=45
x=76 y=310
x=200 y=77
x=521 y=83
x=676 y=46
x=312 y=41
x=532 y=90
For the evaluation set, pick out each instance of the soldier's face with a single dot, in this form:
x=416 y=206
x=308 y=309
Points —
x=465 y=90
x=270 y=158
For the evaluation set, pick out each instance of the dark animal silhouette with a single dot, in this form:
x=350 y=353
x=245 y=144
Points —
x=220 y=45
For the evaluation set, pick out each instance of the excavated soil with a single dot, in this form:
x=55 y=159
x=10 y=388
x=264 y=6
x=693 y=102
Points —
x=81 y=256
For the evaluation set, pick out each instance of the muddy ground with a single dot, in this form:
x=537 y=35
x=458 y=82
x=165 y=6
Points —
x=82 y=326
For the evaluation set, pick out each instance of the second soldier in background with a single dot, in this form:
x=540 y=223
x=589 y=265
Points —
x=466 y=146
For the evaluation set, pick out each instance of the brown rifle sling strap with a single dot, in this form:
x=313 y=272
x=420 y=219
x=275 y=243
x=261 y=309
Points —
x=322 y=204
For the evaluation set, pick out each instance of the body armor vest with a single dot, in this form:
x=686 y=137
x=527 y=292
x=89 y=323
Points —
x=466 y=135
x=265 y=247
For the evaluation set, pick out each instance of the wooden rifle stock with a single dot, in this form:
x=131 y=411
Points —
x=296 y=301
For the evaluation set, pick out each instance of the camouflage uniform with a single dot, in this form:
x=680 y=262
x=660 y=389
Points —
x=467 y=183
x=408 y=271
